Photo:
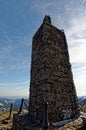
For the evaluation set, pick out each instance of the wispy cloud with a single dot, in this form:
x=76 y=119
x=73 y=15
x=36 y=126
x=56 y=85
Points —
x=77 y=39
x=70 y=15
x=14 y=52
x=15 y=84
x=83 y=2
x=76 y=35
x=43 y=6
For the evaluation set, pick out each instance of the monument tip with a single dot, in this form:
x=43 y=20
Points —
x=47 y=19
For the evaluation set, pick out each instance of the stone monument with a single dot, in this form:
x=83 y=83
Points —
x=51 y=81
x=51 y=75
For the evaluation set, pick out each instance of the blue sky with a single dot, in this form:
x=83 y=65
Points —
x=19 y=20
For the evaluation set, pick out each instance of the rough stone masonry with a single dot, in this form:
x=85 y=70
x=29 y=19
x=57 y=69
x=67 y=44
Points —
x=51 y=77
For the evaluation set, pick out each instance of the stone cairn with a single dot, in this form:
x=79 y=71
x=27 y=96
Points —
x=51 y=81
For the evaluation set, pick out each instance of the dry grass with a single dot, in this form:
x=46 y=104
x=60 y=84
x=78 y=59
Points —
x=82 y=108
x=5 y=123
x=74 y=125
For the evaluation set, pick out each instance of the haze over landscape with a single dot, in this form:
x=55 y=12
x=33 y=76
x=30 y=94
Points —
x=19 y=20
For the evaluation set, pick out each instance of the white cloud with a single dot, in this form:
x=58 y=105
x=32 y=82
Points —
x=70 y=15
x=43 y=6
x=83 y=2
x=78 y=54
x=76 y=36
x=80 y=82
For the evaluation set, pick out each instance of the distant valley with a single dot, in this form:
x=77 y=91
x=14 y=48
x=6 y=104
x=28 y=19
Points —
x=6 y=102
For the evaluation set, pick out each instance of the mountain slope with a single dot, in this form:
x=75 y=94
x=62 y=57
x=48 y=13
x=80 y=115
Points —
x=82 y=100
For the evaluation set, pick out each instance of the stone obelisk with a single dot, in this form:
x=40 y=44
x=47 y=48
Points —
x=51 y=77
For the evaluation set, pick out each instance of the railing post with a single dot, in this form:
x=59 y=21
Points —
x=45 y=121
x=84 y=123
x=22 y=100
x=10 y=110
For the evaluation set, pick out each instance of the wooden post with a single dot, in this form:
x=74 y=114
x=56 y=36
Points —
x=22 y=100
x=84 y=122
x=46 y=122
x=10 y=110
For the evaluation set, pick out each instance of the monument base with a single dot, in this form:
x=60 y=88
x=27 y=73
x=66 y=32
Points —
x=23 y=122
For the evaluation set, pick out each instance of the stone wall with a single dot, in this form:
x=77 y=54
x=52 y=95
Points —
x=51 y=75
x=21 y=122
